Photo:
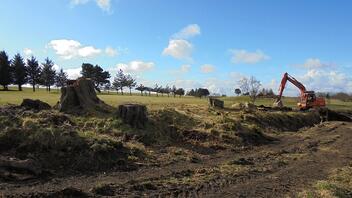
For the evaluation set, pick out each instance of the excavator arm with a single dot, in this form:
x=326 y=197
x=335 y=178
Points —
x=295 y=82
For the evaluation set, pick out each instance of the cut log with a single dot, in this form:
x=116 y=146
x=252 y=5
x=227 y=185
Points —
x=133 y=114
x=80 y=97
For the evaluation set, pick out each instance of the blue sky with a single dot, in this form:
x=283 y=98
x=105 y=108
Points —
x=189 y=43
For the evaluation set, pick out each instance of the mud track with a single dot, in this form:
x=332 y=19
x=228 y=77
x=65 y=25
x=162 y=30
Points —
x=279 y=169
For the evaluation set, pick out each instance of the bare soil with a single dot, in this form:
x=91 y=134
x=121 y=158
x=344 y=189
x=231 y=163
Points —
x=284 y=166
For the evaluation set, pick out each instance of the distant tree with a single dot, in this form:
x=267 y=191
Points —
x=96 y=74
x=250 y=85
x=61 y=78
x=140 y=88
x=130 y=82
x=180 y=92
x=19 y=71
x=167 y=90
x=48 y=74
x=107 y=87
x=156 y=89
x=191 y=93
x=201 y=92
x=148 y=89
x=173 y=90
x=120 y=81
x=237 y=91
x=33 y=71
x=5 y=70
x=101 y=77
x=161 y=90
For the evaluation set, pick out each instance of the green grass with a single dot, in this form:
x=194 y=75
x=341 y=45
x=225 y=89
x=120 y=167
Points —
x=15 y=97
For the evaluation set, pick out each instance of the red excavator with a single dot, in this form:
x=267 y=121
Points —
x=308 y=99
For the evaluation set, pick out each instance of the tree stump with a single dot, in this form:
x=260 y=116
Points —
x=133 y=114
x=214 y=102
x=80 y=97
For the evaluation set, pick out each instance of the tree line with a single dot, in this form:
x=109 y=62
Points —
x=19 y=72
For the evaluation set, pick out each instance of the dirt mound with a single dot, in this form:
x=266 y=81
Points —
x=35 y=104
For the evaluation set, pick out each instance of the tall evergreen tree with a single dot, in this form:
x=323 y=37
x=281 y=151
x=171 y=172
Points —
x=120 y=81
x=33 y=71
x=5 y=70
x=48 y=74
x=61 y=78
x=130 y=82
x=19 y=71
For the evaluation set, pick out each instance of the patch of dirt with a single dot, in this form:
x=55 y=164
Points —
x=187 y=151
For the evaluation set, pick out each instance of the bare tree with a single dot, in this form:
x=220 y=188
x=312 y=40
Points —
x=251 y=86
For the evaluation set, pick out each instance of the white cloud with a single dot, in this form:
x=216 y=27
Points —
x=314 y=63
x=179 y=48
x=207 y=68
x=185 y=68
x=73 y=73
x=327 y=81
x=111 y=51
x=136 y=66
x=188 y=32
x=105 y=5
x=56 y=67
x=27 y=52
x=243 y=56
x=68 y=49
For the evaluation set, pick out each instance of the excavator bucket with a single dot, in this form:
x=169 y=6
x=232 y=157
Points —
x=278 y=103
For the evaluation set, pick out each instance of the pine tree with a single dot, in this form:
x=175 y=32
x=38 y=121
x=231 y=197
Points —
x=48 y=74
x=61 y=78
x=130 y=82
x=19 y=71
x=33 y=72
x=5 y=70
x=120 y=81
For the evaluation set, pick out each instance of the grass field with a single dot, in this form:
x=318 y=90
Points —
x=15 y=97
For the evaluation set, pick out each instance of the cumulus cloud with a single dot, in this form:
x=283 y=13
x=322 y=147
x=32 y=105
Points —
x=243 y=56
x=111 y=51
x=68 y=49
x=188 y=32
x=179 y=48
x=73 y=73
x=207 y=68
x=185 y=68
x=136 y=66
x=105 y=5
x=327 y=81
x=27 y=52
x=314 y=63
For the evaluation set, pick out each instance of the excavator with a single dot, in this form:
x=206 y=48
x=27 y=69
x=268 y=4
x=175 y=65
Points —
x=308 y=99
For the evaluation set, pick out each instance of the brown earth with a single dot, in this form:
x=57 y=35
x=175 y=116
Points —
x=291 y=163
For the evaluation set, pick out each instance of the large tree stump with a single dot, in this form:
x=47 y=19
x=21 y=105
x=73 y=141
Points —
x=80 y=97
x=133 y=114
x=214 y=102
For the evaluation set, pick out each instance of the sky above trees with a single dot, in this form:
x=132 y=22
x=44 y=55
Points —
x=189 y=43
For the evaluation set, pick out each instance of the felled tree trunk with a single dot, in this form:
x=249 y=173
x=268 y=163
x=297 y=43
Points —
x=26 y=165
x=80 y=96
x=133 y=114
